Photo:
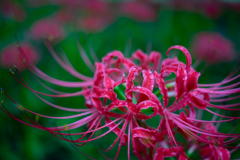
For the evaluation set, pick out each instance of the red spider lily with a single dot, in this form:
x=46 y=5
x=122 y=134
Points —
x=9 y=56
x=121 y=91
x=212 y=47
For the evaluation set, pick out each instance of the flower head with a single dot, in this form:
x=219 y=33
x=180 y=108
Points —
x=126 y=92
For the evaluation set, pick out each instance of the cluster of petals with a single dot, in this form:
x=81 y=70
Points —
x=121 y=91
x=212 y=47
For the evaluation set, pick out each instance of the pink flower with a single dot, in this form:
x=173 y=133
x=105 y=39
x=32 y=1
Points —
x=10 y=56
x=64 y=16
x=210 y=8
x=123 y=91
x=47 y=29
x=96 y=6
x=138 y=11
x=12 y=10
x=212 y=47
x=94 y=23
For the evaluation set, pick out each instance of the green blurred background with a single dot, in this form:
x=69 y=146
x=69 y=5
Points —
x=172 y=25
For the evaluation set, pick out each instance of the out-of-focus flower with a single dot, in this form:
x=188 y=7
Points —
x=10 y=56
x=47 y=29
x=94 y=23
x=212 y=47
x=125 y=92
x=139 y=11
x=64 y=16
x=210 y=8
x=96 y=6
x=12 y=10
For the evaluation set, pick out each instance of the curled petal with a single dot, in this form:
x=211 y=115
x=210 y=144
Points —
x=199 y=103
x=185 y=52
x=159 y=155
x=108 y=58
x=99 y=93
x=182 y=157
x=162 y=87
x=98 y=104
x=168 y=152
x=108 y=83
x=209 y=152
x=192 y=111
x=172 y=152
x=148 y=93
x=142 y=57
x=148 y=82
x=148 y=79
x=169 y=61
x=98 y=76
x=121 y=103
x=128 y=63
x=139 y=132
x=99 y=66
x=145 y=135
x=192 y=80
x=166 y=71
x=181 y=77
x=111 y=70
x=224 y=153
x=147 y=104
x=131 y=76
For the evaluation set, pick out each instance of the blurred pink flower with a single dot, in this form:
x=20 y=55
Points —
x=212 y=47
x=47 y=29
x=138 y=11
x=97 y=6
x=94 y=23
x=64 y=16
x=12 y=10
x=210 y=8
x=10 y=56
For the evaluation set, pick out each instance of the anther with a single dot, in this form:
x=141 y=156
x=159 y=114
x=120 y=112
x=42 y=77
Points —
x=2 y=91
x=16 y=44
x=15 y=67
x=37 y=118
x=20 y=107
x=11 y=72
x=2 y=103
x=66 y=127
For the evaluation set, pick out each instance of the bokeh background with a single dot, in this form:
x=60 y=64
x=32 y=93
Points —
x=100 y=27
